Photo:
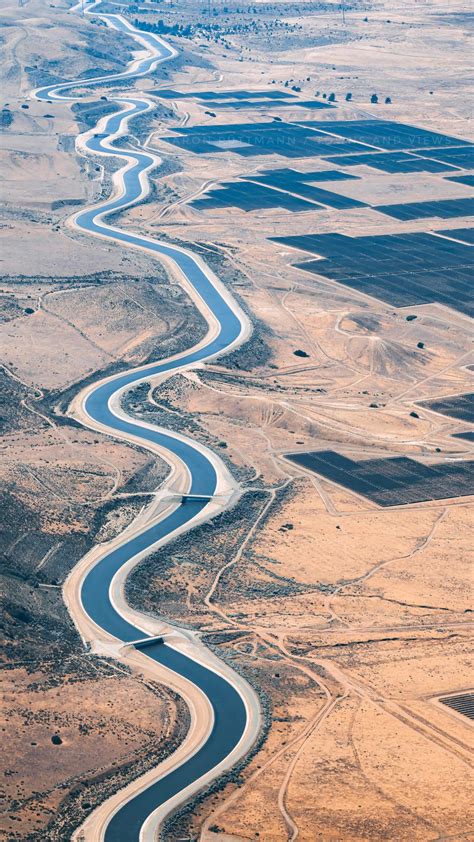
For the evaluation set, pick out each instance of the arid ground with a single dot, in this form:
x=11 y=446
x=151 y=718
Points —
x=349 y=618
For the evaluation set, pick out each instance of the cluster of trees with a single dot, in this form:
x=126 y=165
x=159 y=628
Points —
x=161 y=28
x=210 y=30
x=332 y=96
x=6 y=118
x=374 y=98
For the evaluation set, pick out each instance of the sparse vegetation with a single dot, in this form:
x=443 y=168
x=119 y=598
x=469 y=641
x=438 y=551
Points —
x=327 y=586
x=6 y=118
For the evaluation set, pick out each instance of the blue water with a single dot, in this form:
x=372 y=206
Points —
x=229 y=711
x=145 y=66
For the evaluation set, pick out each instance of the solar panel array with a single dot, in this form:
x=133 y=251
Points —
x=168 y=93
x=287 y=177
x=343 y=142
x=391 y=162
x=465 y=235
x=391 y=482
x=460 y=407
x=401 y=269
x=249 y=139
x=250 y=197
x=239 y=100
x=244 y=105
x=303 y=185
x=459 y=156
x=444 y=209
x=283 y=188
x=468 y=435
x=462 y=179
x=464 y=703
x=385 y=134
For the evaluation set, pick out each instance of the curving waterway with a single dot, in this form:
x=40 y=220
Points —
x=227 y=327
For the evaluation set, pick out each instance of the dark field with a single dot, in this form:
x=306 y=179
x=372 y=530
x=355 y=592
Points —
x=391 y=482
x=242 y=100
x=403 y=269
x=244 y=104
x=312 y=138
x=250 y=197
x=444 y=209
x=168 y=93
x=391 y=162
x=284 y=188
x=301 y=183
x=462 y=179
x=464 y=234
x=287 y=178
x=460 y=407
x=460 y=156
x=468 y=435
x=463 y=703
x=387 y=135
x=249 y=139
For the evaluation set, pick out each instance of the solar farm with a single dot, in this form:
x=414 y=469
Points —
x=462 y=703
x=222 y=95
x=458 y=156
x=401 y=269
x=460 y=407
x=382 y=146
x=446 y=209
x=392 y=162
x=285 y=188
x=464 y=235
x=326 y=138
x=243 y=100
x=385 y=134
x=289 y=140
x=462 y=179
x=270 y=205
x=391 y=482
x=245 y=105
x=427 y=264
x=249 y=196
x=468 y=435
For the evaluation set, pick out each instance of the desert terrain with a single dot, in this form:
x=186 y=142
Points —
x=346 y=604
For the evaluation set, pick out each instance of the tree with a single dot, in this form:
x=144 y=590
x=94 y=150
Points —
x=348 y=97
x=388 y=100
x=332 y=98
x=374 y=99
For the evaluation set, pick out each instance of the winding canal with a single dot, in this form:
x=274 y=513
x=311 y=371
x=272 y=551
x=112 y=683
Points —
x=227 y=328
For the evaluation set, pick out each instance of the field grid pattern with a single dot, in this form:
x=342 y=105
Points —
x=401 y=269
x=391 y=482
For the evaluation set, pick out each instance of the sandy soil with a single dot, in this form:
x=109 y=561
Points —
x=374 y=603
x=350 y=620
x=114 y=711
